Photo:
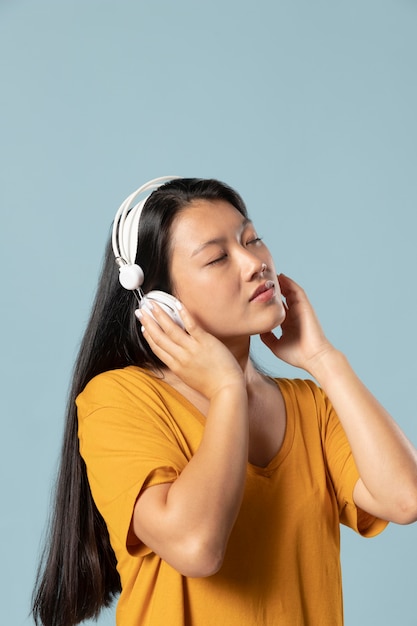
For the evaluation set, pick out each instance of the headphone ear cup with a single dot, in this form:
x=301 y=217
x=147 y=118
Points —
x=166 y=301
x=131 y=276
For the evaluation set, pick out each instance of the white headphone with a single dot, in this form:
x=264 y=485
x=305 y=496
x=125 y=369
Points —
x=125 y=243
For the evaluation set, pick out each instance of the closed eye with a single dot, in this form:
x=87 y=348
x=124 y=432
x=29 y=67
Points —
x=218 y=260
x=255 y=240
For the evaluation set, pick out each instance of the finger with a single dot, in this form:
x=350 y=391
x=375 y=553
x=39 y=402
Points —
x=166 y=321
x=270 y=340
x=159 y=327
x=287 y=284
x=166 y=347
x=189 y=322
x=190 y=325
x=165 y=356
x=291 y=290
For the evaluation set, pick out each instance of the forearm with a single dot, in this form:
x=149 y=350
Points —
x=386 y=460
x=190 y=528
x=206 y=498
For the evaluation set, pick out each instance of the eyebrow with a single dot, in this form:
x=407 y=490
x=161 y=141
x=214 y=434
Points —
x=219 y=240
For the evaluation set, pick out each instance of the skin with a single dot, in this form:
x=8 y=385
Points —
x=216 y=265
x=216 y=269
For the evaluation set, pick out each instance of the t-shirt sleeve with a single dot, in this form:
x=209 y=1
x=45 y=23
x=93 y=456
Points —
x=127 y=443
x=341 y=468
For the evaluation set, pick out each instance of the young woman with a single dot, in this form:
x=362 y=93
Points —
x=216 y=491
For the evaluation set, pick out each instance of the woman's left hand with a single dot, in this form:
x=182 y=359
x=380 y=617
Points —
x=302 y=341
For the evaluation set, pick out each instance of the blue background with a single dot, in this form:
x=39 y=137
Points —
x=307 y=107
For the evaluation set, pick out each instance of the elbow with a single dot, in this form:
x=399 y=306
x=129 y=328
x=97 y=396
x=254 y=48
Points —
x=201 y=559
x=408 y=515
x=407 y=509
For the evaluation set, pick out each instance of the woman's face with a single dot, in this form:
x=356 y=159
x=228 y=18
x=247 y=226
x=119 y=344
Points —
x=216 y=271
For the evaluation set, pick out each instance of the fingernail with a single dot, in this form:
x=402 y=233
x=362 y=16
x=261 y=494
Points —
x=139 y=314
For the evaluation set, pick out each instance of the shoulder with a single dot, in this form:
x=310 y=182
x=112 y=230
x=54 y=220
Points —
x=130 y=383
x=300 y=388
x=307 y=399
x=127 y=376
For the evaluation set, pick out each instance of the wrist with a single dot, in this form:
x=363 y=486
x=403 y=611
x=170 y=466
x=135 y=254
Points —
x=234 y=388
x=327 y=363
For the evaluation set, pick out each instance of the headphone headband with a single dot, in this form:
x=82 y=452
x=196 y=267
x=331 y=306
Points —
x=126 y=221
x=125 y=233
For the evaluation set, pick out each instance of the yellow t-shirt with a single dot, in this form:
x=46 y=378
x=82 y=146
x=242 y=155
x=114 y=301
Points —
x=282 y=565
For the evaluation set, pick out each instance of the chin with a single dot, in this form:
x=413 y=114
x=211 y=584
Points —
x=279 y=315
x=270 y=325
x=277 y=319
x=283 y=314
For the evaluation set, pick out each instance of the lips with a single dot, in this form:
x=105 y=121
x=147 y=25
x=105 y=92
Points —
x=269 y=284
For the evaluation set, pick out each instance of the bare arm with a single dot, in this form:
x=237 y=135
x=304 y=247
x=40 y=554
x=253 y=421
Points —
x=188 y=522
x=386 y=460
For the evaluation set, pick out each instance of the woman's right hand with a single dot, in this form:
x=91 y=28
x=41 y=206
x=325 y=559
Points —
x=198 y=358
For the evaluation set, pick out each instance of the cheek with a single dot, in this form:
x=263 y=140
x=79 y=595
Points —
x=199 y=293
x=202 y=304
x=271 y=264
x=207 y=306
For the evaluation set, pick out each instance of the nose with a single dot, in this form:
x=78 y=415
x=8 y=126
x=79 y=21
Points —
x=251 y=265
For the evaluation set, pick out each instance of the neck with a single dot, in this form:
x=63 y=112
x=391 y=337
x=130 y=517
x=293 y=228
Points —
x=240 y=350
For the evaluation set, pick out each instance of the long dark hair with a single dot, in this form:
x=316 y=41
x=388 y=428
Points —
x=77 y=575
